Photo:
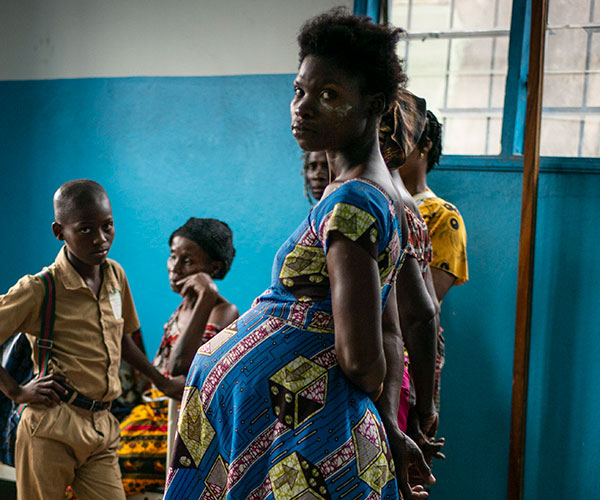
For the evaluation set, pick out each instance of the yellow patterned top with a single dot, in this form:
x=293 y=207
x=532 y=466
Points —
x=448 y=235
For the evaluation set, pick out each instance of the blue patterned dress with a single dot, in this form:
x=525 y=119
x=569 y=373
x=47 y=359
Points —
x=267 y=413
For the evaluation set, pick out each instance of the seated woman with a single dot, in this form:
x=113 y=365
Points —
x=201 y=251
x=281 y=403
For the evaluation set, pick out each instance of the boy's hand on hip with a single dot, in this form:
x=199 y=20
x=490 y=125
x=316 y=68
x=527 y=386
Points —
x=46 y=390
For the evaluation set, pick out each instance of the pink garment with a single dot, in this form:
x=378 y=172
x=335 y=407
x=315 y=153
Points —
x=419 y=246
x=404 y=398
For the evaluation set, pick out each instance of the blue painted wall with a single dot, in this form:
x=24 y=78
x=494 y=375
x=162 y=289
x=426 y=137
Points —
x=478 y=322
x=165 y=149
x=168 y=148
x=563 y=443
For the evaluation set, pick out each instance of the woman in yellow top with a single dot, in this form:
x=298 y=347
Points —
x=446 y=226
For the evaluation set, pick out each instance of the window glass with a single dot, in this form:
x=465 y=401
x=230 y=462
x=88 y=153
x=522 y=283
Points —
x=456 y=57
x=571 y=101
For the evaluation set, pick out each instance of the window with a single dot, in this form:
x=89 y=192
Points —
x=571 y=103
x=456 y=55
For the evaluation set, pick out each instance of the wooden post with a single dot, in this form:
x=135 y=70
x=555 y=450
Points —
x=531 y=157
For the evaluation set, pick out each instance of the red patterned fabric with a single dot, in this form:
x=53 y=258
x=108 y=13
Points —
x=209 y=332
x=419 y=243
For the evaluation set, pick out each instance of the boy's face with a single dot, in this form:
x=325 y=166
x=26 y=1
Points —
x=88 y=232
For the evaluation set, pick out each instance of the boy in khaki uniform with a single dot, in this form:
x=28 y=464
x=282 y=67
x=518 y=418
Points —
x=67 y=434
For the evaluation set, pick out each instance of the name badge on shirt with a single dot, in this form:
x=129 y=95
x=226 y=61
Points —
x=115 y=302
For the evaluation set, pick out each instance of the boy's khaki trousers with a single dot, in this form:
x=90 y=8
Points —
x=65 y=445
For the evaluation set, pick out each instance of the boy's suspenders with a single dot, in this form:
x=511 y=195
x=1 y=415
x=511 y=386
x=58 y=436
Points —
x=44 y=343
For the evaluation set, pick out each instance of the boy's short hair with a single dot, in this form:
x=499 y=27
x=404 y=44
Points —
x=74 y=195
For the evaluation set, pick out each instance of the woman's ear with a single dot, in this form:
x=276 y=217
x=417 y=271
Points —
x=216 y=267
x=377 y=104
x=427 y=147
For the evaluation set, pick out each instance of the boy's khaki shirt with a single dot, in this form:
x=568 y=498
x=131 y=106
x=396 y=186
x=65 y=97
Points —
x=87 y=330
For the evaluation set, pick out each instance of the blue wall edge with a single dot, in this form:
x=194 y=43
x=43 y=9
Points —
x=548 y=164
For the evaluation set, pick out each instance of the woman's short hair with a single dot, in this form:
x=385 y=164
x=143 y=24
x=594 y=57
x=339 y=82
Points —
x=433 y=132
x=358 y=46
x=212 y=236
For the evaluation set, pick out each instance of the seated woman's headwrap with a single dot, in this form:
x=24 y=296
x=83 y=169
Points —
x=401 y=128
x=213 y=236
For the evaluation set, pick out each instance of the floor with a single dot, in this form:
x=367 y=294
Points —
x=8 y=490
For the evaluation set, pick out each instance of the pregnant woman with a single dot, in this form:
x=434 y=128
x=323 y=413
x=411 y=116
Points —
x=280 y=404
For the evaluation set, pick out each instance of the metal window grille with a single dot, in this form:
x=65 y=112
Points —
x=571 y=112
x=444 y=58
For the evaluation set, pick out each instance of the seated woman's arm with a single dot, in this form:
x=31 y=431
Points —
x=208 y=307
x=356 y=304
x=136 y=358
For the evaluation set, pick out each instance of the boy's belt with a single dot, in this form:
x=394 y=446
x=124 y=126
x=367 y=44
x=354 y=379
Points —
x=76 y=399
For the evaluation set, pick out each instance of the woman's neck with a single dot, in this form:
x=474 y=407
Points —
x=401 y=186
x=415 y=181
x=358 y=161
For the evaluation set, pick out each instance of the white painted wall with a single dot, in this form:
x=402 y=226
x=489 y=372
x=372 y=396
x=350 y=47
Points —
x=47 y=39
